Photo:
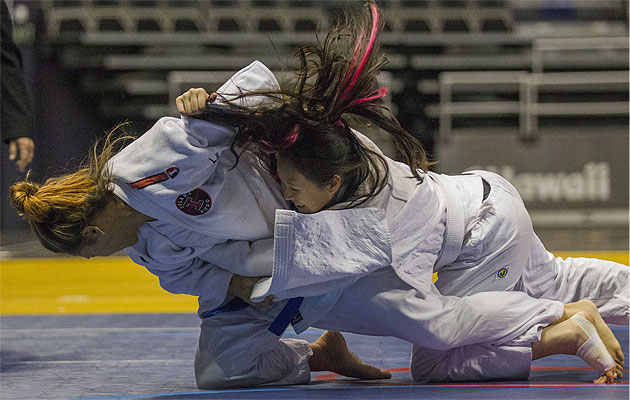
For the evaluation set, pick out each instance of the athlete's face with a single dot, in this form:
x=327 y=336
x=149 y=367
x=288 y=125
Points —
x=111 y=230
x=103 y=242
x=308 y=196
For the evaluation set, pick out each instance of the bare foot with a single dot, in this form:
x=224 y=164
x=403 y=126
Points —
x=604 y=332
x=593 y=350
x=560 y=338
x=567 y=337
x=330 y=353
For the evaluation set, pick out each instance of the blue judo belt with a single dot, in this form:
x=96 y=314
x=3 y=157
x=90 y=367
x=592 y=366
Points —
x=289 y=313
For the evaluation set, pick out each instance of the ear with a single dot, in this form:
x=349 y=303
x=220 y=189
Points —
x=91 y=233
x=334 y=184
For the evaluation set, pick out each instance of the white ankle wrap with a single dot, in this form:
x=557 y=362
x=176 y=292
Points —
x=593 y=351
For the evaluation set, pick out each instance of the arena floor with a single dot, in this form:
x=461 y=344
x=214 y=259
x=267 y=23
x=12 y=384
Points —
x=104 y=329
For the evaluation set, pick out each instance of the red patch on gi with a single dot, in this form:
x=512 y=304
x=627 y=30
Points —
x=195 y=202
x=169 y=173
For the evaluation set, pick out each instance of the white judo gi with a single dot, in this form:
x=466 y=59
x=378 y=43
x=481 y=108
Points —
x=498 y=251
x=214 y=220
x=183 y=174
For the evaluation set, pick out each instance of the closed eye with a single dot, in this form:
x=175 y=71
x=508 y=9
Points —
x=291 y=188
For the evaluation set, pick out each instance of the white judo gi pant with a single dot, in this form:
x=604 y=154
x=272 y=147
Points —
x=237 y=349
x=502 y=252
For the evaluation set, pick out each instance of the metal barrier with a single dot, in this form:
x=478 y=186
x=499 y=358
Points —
x=569 y=175
x=581 y=52
x=492 y=82
x=527 y=87
x=576 y=83
x=281 y=16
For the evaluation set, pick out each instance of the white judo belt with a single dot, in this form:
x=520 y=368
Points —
x=454 y=233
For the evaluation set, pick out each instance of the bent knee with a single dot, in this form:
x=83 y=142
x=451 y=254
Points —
x=210 y=376
x=421 y=375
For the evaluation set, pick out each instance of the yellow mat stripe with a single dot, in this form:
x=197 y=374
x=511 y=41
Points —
x=110 y=285
x=617 y=256
x=77 y=286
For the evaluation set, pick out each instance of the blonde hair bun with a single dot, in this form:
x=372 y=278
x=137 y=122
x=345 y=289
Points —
x=23 y=197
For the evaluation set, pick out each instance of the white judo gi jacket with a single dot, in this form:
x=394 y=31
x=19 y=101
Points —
x=403 y=226
x=211 y=219
x=472 y=229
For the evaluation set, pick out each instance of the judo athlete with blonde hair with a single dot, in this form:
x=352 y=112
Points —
x=174 y=201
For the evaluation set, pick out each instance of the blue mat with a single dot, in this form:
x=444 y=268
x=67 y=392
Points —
x=150 y=357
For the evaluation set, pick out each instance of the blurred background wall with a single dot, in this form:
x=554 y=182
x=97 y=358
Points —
x=536 y=90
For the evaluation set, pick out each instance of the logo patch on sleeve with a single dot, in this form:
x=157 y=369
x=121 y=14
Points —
x=195 y=202
x=502 y=272
x=168 y=173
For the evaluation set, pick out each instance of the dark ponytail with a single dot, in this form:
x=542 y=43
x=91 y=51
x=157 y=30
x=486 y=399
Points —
x=335 y=78
x=344 y=69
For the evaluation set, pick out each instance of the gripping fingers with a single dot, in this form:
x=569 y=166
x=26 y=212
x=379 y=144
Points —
x=183 y=104
x=180 y=105
x=199 y=101
x=192 y=102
